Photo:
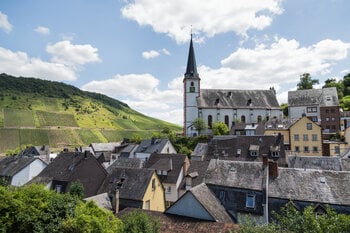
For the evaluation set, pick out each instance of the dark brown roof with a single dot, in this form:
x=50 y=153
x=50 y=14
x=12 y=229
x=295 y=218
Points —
x=132 y=183
x=76 y=166
x=258 y=99
x=173 y=223
x=162 y=161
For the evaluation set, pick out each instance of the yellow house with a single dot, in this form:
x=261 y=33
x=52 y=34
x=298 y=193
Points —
x=305 y=137
x=135 y=188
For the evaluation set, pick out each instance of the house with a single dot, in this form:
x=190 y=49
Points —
x=171 y=169
x=248 y=148
x=154 y=145
x=228 y=106
x=170 y=223
x=306 y=137
x=275 y=127
x=128 y=151
x=258 y=189
x=319 y=105
x=105 y=152
x=17 y=171
x=71 y=167
x=135 y=188
x=200 y=203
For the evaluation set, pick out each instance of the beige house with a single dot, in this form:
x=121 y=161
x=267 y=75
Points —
x=305 y=137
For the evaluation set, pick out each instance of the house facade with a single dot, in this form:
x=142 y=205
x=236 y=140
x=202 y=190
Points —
x=228 y=106
x=305 y=137
x=154 y=145
x=319 y=105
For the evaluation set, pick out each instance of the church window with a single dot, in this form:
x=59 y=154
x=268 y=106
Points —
x=210 y=121
x=259 y=119
x=192 y=88
x=227 y=121
x=243 y=119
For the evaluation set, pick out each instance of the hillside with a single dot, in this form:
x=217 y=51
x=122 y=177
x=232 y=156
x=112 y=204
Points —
x=35 y=111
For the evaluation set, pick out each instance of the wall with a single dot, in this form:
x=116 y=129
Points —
x=156 y=196
x=27 y=173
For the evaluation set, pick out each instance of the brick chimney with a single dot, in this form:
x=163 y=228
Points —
x=273 y=169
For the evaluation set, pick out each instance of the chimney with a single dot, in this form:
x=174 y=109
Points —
x=116 y=200
x=188 y=182
x=273 y=169
x=265 y=160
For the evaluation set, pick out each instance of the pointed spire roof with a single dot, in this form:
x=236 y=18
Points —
x=191 y=69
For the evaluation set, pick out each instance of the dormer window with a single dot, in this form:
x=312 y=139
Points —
x=254 y=150
x=275 y=151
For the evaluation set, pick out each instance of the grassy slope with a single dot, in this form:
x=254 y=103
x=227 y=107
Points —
x=39 y=112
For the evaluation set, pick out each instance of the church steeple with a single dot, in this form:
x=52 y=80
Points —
x=191 y=69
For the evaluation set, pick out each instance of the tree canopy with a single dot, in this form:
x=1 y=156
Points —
x=306 y=82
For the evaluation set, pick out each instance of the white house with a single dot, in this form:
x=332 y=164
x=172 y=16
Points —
x=154 y=145
x=228 y=106
x=18 y=171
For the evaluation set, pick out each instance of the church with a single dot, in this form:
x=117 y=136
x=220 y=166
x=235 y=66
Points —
x=228 y=106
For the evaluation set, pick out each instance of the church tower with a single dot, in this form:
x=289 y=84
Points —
x=191 y=83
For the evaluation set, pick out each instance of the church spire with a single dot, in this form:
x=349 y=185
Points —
x=191 y=69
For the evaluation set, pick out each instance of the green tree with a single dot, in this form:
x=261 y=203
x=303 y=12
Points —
x=137 y=221
x=332 y=82
x=284 y=108
x=77 y=189
x=306 y=82
x=199 y=125
x=346 y=85
x=89 y=217
x=220 y=128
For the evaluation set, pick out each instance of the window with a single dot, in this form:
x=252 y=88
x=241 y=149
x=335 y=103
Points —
x=314 y=137
x=333 y=119
x=243 y=119
x=222 y=195
x=309 y=126
x=305 y=137
x=58 y=188
x=192 y=88
x=327 y=110
x=314 y=119
x=153 y=184
x=227 y=121
x=147 y=205
x=253 y=153
x=250 y=201
x=297 y=149
x=311 y=109
x=327 y=118
x=306 y=149
x=332 y=110
x=296 y=137
x=337 y=149
x=315 y=149
x=210 y=121
x=169 y=189
x=275 y=153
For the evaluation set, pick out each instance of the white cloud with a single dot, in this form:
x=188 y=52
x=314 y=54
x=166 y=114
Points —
x=4 y=23
x=42 y=30
x=19 y=64
x=207 y=18
x=150 y=54
x=165 y=51
x=65 y=52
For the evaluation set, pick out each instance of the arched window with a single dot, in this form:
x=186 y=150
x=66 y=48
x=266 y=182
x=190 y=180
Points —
x=259 y=119
x=243 y=119
x=227 y=121
x=192 y=88
x=210 y=121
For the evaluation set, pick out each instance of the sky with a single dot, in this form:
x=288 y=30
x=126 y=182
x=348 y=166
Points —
x=136 y=51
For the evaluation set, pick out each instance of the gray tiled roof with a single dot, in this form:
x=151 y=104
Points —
x=109 y=146
x=132 y=182
x=214 y=98
x=323 y=186
x=208 y=200
x=177 y=161
x=200 y=150
x=102 y=200
x=151 y=146
x=11 y=165
x=315 y=162
x=200 y=168
x=125 y=163
x=323 y=97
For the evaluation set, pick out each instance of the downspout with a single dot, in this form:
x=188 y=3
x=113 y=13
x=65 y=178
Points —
x=267 y=195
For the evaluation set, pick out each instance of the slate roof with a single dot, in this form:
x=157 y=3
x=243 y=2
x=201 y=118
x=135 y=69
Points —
x=200 y=150
x=11 y=165
x=258 y=99
x=109 y=146
x=279 y=124
x=125 y=163
x=102 y=200
x=173 y=223
x=191 y=69
x=132 y=183
x=162 y=161
x=320 y=186
x=150 y=146
x=208 y=200
x=322 y=97
x=237 y=147
x=243 y=127
x=199 y=168
x=315 y=162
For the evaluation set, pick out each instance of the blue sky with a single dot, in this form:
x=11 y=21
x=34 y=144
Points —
x=136 y=51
